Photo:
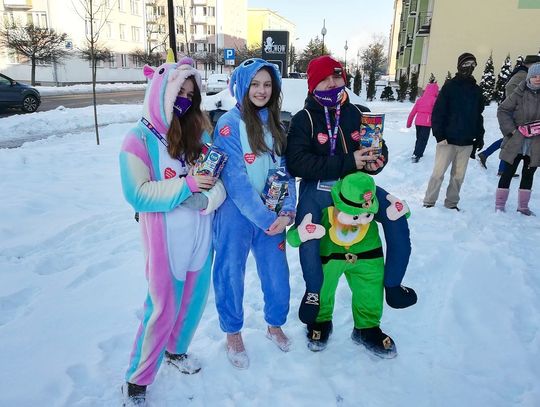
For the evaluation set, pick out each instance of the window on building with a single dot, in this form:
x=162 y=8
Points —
x=193 y=29
x=121 y=5
x=112 y=61
x=135 y=6
x=212 y=48
x=211 y=11
x=108 y=29
x=179 y=11
x=137 y=61
x=135 y=34
x=210 y=29
x=37 y=19
x=122 y=32
x=182 y=48
x=123 y=60
x=161 y=28
x=191 y=47
x=160 y=10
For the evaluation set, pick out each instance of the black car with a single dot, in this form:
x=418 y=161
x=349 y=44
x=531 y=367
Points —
x=19 y=95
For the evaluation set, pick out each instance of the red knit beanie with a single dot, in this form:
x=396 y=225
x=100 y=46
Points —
x=321 y=67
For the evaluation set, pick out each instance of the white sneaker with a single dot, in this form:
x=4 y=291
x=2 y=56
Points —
x=236 y=352
x=276 y=335
x=187 y=364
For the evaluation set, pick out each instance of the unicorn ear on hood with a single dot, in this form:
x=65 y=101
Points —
x=148 y=71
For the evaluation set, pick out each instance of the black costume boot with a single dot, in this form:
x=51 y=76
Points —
x=400 y=296
x=134 y=395
x=318 y=334
x=309 y=308
x=376 y=341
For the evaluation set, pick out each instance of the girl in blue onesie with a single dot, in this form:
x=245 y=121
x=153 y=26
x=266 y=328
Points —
x=253 y=138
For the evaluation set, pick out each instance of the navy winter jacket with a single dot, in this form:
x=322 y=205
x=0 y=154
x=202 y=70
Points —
x=457 y=114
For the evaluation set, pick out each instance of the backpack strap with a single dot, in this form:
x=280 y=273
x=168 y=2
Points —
x=310 y=120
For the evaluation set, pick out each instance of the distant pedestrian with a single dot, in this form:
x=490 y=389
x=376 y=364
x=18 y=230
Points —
x=519 y=120
x=518 y=75
x=422 y=110
x=458 y=126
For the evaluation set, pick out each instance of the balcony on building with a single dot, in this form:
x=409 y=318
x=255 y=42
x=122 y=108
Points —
x=424 y=24
x=198 y=19
x=199 y=2
x=18 y=4
x=413 y=7
x=199 y=37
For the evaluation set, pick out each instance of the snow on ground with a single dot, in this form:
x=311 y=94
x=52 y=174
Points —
x=71 y=267
x=87 y=88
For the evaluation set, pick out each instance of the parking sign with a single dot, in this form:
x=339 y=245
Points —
x=228 y=53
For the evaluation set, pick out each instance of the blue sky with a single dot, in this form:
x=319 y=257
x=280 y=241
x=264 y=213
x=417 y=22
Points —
x=354 y=21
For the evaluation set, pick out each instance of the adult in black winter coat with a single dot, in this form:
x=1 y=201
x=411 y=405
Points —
x=458 y=126
x=319 y=152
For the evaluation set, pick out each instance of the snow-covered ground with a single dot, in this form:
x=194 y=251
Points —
x=86 y=88
x=72 y=288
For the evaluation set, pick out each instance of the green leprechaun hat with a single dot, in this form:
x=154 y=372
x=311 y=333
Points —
x=355 y=194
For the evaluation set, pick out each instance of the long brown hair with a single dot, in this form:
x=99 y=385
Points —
x=254 y=125
x=184 y=135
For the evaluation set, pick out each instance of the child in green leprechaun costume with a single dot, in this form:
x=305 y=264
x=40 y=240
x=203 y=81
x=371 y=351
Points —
x=350 y=245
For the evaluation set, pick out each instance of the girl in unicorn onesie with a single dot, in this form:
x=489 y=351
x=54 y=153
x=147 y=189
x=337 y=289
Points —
x=176 y=209
x=253 y=138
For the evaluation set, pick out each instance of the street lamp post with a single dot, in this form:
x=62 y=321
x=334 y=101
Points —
x=323 y=32
x=172 y=27
x=345 y=48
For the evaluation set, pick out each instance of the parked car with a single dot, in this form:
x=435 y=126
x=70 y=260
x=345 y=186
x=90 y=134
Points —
x=297 y=75
x=216 y=83
x=19 y=95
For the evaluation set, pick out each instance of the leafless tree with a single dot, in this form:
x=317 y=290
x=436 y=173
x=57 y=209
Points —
x=95 y=14
x=184 y=19
x=156 y=31
x=35 y=43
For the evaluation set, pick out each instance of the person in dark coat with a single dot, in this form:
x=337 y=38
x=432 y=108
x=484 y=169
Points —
x=323 y=145
x=458 y=127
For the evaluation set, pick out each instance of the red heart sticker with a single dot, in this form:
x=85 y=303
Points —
x=367 y=196
x=399 y=206
x=225 y=131
x=355 y=135
x=169 y=173
x=322 y=138
x=281 y=246
x=249 y=157
x=310 y=228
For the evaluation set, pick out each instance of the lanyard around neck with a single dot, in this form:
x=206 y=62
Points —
x=156 y=133
x=332 y=134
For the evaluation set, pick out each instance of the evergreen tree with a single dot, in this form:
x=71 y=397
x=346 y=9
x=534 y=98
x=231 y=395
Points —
x=413 y=87
x=388 y=94
x=357 y=87
x=448 y=77
x=487 y=84
x=432 y=78
x=502 y=79
x=519 y=61
x=313 y=49
x=403 y=85
x=371 y=86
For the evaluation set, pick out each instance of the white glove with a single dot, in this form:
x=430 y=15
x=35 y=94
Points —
x=308 y=230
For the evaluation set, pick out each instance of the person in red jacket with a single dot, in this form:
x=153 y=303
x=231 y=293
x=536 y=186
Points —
x=422 y=110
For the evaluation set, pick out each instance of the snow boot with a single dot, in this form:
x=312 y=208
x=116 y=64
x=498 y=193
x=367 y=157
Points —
x=376 y=341
x=276 y=335
x=482 y=158
x=183 y=362
x=400 y=296
x=524 y=195
x=501 y=195
x=134 y=395
x=318 y=334
x=309 y=308
x=236 y=352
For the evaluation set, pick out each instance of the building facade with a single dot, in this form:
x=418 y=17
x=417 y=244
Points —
x=260 y=19
x=128 y=28
x=433 y=33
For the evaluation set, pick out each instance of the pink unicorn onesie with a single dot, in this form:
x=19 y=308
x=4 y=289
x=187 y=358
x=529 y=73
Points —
x=176 y=234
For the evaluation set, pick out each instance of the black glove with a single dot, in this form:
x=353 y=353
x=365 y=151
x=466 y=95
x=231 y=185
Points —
x=479 y=145
x=400 y=296
x=309 y=308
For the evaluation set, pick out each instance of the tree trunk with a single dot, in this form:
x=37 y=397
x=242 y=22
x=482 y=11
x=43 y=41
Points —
x=33 y=74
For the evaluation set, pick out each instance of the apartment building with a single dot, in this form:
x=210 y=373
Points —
x=128 y=27
x=260 y=19
x=433 y=33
